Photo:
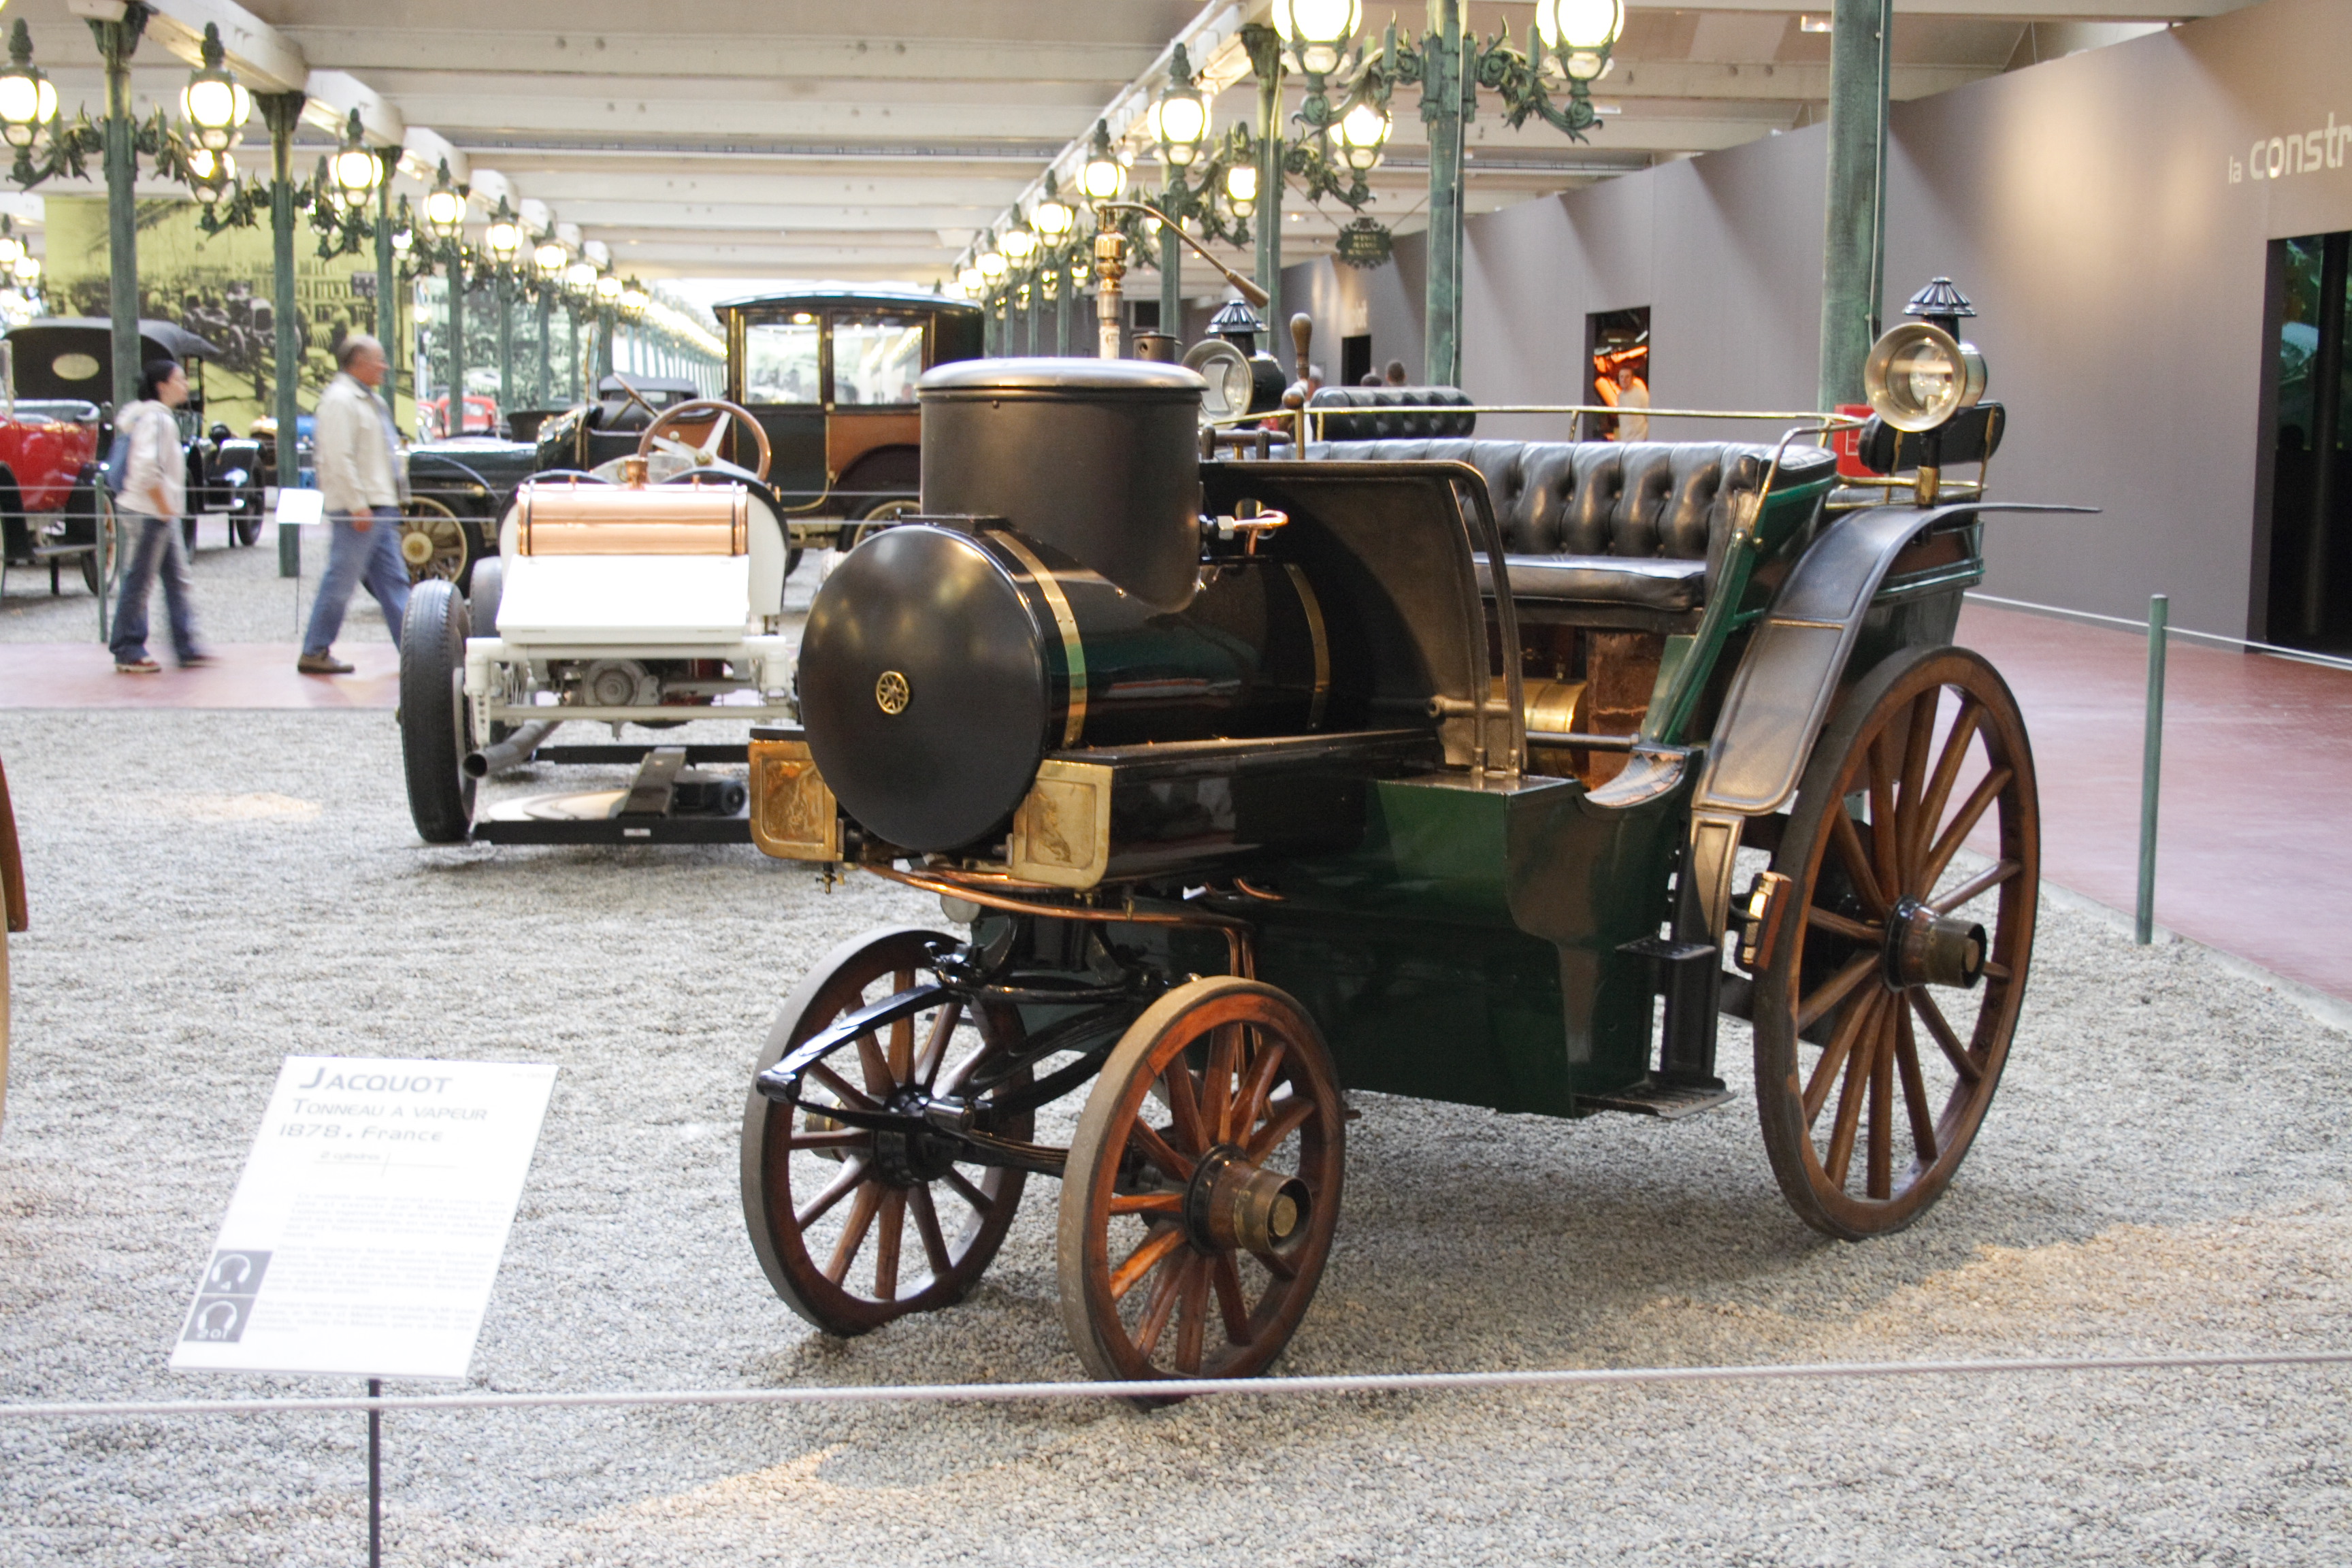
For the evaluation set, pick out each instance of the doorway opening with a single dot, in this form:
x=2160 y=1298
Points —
x=1355 y=359
x=2311 y=481
x=1617 y=363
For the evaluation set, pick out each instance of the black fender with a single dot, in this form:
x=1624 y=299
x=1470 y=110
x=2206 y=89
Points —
x=1796 y=664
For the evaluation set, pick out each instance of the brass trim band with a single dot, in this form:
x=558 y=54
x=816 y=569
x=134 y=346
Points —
x=1074 y=650
x=1313 y=607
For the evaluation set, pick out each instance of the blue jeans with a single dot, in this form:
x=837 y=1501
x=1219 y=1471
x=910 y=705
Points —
x=355 y=558
x=156 y=548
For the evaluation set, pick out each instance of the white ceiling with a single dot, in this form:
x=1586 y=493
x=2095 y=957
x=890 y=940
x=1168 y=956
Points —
x=765 y=139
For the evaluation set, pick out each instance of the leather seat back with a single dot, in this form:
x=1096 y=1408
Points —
x=1638 y=499
x=1374 y=413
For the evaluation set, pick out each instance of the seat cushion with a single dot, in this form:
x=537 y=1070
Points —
x=1652 y=583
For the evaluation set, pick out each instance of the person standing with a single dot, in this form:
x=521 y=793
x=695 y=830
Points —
x=154 y=494
x=360 y=482
x=1633 y=394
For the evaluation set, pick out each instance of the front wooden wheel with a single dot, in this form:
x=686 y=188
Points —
x=1202 y=1187
x=433 y=543
x=855 y=1228
x=1877 y=1054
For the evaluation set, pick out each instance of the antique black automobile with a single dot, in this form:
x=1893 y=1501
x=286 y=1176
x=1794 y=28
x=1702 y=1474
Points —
x=1422 y=766
x=826 y=375
x=67 y=360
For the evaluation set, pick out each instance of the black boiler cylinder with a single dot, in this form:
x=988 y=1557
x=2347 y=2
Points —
x=940 y=668
x=1100 y=458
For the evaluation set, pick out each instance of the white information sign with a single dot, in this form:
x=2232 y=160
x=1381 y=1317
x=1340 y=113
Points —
x=367 y=1228
x=301 y=509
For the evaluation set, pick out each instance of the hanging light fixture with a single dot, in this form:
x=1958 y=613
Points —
x=214 y=104
x=1319 y=31
x=1104 y=176
x=210 y=173
x=403 y=228
x=1241 y=189
x=1363 y=134
x=504 y=237
x=1053 y=217
x=356 y=169
x=445 y=207
x=1179 y=118
x=1581 y=33
x=28 y=100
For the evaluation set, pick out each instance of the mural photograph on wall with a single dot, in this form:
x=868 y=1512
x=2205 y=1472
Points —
x=219 y=287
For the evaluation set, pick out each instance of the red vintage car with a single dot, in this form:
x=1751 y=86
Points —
x=48 y=495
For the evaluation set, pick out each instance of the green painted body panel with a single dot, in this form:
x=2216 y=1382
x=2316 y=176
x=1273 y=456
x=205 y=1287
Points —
x=1469 y=950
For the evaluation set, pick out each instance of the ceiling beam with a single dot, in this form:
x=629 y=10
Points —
x=705 y=55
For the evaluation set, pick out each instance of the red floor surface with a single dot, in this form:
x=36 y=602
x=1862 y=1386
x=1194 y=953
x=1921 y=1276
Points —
x=249 y=675
x=2253 y=855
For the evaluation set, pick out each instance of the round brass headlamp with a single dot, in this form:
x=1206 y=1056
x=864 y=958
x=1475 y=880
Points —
x=1918 y=375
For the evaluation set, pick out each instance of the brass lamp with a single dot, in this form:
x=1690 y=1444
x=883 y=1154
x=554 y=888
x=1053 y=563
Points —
x=1318 y=31
x=28 y=100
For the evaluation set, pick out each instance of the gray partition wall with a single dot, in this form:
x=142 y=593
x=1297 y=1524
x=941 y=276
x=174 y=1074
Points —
x=2111 y=214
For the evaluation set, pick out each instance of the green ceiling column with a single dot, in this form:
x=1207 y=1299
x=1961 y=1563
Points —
x=546 y=345
x=1446 y=97
x=1264 y=46
x=992 y=327
x=1855 y=238
x=1063 y=289
x=604 y=344
x=572 y=359
x=279 y=111
x=116 y=43
x=387 y=301
x=502 y=292
x=455 y=425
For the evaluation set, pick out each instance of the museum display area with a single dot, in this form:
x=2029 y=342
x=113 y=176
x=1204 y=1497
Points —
x=1294 y=798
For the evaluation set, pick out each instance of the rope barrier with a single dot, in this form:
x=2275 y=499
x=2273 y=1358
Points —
x=2300 y=656
x=1261 y=1387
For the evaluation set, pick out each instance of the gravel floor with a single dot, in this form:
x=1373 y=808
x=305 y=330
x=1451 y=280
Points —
x=212 y=891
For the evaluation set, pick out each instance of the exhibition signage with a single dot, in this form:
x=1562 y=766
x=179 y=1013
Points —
x=368 y=1225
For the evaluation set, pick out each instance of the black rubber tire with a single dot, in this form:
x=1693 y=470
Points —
x=246 y=528
x=792 y=554
x=437 y=726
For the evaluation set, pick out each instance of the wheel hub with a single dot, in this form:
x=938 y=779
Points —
x=915 y=1156
x=1924 y=948
x=1231 y=1203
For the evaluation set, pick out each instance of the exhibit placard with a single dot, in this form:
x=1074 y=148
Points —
x=366 y=1230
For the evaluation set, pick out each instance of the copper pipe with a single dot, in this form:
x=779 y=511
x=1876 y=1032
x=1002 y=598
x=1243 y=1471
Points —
x=1239 y=955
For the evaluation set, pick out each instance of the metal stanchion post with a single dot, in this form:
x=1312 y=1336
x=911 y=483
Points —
x=2151 y=764
x=375 y=1477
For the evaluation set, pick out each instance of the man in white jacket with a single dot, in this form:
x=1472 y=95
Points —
x=359 y=479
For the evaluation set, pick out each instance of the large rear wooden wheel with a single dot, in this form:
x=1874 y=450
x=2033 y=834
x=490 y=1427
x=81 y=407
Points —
x=1202 y=1187
x=855 y=1228
x=1882 y=1015
x=433 y=543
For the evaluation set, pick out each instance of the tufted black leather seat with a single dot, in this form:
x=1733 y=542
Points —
x=1638 y=526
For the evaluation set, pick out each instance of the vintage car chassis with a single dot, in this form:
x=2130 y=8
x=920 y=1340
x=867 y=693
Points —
x=507 y=700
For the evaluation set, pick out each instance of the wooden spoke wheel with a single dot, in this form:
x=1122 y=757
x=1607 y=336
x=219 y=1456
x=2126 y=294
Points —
x=1882 y=1016
x=433 y=543
x=1202 y=1187
x=856 y=1227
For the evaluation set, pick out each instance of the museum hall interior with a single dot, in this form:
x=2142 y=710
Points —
x=1246 y=781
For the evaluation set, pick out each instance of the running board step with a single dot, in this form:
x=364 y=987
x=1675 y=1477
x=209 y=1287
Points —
x=1655 y=1097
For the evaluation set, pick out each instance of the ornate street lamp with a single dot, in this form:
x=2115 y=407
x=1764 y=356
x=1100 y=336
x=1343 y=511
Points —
x=549 y=258
x=970 y=280
x=992 y=265
x=1104 y=176
x=504 y=237
x=12 y=248
x=1053 y=217
x=608 y=290
x=356 y=168
x=1019 y=243
x=214 y=104
x=27 y=271
x=445 y=208
x=1581 y=33
x=1363 y=133
x=633 y=299
x=1241 y=189
x=1180 y=119
x=28 y=100
x=580 y=278
x=210 y=173
x=1318 y=31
